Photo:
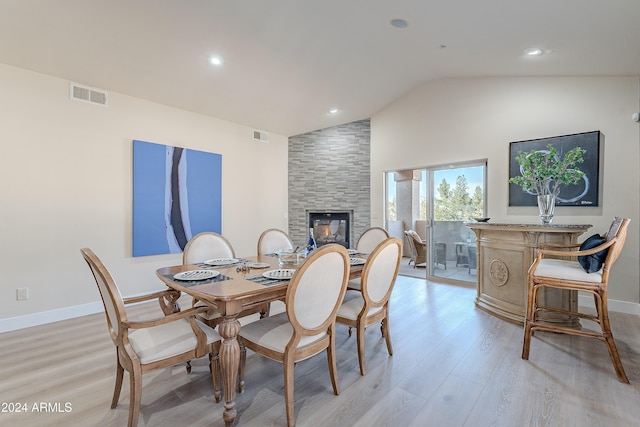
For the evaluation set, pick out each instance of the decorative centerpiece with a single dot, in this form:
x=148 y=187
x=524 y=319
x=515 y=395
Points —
x=543 y=172
x=290 y=258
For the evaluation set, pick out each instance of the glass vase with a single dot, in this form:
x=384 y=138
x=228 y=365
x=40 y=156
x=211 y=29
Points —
x=546 y=205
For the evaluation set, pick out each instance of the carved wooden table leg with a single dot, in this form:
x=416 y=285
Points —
x=229 y=360
x=172 y=301
x=169 y=303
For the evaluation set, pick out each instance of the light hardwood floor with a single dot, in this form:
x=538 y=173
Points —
x=460 y=274
x=453 y=365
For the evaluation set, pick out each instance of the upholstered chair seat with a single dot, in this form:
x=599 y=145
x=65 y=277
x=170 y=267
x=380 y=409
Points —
x=275 y=332
x=371 y=305
x=584 y=270
x=144 y=345
x=568 y=270
x=165 y=341
x=308 y=326
x=352 y=306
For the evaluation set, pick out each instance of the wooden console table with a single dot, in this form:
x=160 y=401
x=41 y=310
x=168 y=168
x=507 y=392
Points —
x=505 y=253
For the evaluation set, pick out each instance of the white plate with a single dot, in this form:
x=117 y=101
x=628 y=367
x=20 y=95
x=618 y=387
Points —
x=357 y=261
x=259 y=265
x=196 y=275
x=282 y=274
x=219 y=262
x=351 y=251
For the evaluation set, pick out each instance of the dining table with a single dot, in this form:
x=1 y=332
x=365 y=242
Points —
x=231 y=288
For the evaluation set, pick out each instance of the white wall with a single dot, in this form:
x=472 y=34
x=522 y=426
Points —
x=454 y=120
x=67 y=183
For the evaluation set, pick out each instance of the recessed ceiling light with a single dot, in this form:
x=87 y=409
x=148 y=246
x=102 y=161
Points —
x=216 y=60
x=399 y=23
x=533 y=51
x=333 y=111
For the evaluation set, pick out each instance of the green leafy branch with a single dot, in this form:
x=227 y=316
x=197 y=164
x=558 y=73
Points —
x=544 y=171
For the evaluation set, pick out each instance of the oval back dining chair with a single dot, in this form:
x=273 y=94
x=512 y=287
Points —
x=577 y=275
x=272 y=240
x=370 y=239
x=142 y=346
x=371 y=305
x=367 y=242
x=308 y=325
x=207 y=245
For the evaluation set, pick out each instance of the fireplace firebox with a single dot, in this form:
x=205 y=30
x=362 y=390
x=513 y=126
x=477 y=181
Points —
x=330 y=227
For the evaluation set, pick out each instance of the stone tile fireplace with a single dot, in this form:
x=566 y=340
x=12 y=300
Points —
x=329 y=172
x=331 y=227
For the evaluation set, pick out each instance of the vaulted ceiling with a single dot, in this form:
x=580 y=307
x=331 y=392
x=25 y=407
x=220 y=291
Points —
x=288 y=62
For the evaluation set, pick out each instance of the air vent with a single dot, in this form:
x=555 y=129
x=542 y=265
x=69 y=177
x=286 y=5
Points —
x=260 y=136
x=87 y=94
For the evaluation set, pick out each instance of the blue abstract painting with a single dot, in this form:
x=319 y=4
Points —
x=177 y=193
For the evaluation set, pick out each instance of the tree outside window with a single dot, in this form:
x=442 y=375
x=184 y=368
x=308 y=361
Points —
x=458 y=202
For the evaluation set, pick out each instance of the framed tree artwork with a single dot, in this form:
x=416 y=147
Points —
x=585 y=192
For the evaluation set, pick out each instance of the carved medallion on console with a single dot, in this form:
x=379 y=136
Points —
x=498 y=272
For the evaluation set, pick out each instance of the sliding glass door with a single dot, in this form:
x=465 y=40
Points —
x=435 y=202
x=457 y=195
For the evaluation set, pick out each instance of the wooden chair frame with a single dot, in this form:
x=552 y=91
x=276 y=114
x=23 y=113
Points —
x=294 y=352
x=282 y=237
x=364 y=318
x=370 y=238
x=188 y=257
x=213 y=317
x=119 y=329
x=614 y=241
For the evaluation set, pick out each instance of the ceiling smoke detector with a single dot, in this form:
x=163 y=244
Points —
x=399 y=23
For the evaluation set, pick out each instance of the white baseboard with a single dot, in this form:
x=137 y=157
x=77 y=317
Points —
x=614 y=305
x=42 y=318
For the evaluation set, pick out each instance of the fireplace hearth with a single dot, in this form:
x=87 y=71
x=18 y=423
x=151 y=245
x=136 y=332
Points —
x=330 y=227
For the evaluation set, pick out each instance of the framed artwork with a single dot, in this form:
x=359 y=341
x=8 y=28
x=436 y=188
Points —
x=177 y=193
x=585 y=193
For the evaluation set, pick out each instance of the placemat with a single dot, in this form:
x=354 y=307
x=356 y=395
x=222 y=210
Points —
x=261 y=280
x=214 y=267
x=189 y=283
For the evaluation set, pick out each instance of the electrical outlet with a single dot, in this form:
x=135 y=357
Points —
x=22 y=294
